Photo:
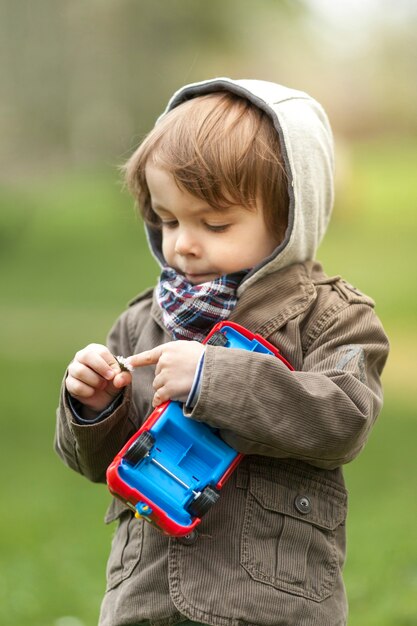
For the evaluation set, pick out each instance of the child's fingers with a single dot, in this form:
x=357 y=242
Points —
x=162 y=394
x=85 y=374
x=99 y=359
x=122 y=379
x=78 y=389
x=158 y=399
x=149 y=357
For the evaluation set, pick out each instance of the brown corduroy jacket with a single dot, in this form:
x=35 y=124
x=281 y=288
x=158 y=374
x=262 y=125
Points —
x=271 y=551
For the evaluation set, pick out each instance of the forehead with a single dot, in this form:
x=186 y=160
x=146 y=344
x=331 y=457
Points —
x=166 y=193
x=168 y=196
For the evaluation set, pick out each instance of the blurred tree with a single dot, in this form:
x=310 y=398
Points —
x=84 y=80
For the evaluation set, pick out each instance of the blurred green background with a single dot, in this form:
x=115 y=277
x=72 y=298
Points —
x=82 y=81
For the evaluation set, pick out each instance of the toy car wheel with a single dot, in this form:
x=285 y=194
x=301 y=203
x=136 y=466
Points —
x=218 y=339
x=139 y=448
x=203 y=503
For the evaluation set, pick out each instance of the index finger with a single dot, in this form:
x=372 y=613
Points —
x=148 y=357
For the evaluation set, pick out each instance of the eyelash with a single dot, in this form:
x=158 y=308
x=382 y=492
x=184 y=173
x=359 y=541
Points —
x=220 y=228
x=170 y=224
x=214 y=228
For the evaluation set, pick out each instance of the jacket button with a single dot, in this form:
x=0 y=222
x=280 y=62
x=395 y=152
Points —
x=302 y=504
x=188 y=540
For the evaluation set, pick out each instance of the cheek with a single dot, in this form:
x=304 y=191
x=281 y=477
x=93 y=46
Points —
x=255 y=249
x=229 y=254
x=167 y=246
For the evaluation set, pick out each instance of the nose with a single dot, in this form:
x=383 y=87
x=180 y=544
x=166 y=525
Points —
x=186 y=243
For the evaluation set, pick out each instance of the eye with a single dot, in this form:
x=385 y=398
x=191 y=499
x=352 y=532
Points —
x=169 y=223
x=217 y=228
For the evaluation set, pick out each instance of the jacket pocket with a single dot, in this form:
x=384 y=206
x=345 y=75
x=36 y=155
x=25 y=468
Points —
x=291 y=534
x=126 y=546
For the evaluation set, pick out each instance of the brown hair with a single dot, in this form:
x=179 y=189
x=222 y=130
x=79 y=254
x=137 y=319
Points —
x=220 y=148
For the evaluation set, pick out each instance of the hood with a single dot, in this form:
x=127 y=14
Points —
x=307 y=148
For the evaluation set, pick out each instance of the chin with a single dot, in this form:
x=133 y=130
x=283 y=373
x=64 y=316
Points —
x=197 y=279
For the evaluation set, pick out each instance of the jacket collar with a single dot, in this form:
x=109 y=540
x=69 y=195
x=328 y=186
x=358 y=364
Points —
x=275 y=299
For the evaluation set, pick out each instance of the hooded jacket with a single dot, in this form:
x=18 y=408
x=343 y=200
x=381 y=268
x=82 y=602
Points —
x=271 y=552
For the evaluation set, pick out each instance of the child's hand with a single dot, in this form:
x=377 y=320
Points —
x=95 y=378
x=176 y=363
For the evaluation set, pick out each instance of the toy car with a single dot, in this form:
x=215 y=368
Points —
x=172 y=470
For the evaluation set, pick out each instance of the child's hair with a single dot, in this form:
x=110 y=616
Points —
x=220 y=148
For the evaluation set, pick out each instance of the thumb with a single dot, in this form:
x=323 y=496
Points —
x=122 y=379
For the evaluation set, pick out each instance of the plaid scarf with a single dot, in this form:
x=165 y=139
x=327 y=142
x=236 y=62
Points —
x=189 y=311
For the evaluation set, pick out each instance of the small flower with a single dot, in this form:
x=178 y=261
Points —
x=124 y=364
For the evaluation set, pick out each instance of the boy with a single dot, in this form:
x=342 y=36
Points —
x=235 y=184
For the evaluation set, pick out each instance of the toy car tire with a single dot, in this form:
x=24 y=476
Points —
x=139 y=448
x=218 y=339
x=203 y=503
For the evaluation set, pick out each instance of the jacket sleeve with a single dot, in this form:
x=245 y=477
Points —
x=321 y=414
x=89 y=448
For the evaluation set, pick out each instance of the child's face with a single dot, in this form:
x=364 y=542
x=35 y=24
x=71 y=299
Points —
x=203 y=243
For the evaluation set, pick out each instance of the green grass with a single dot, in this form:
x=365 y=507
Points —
x=72 y=254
